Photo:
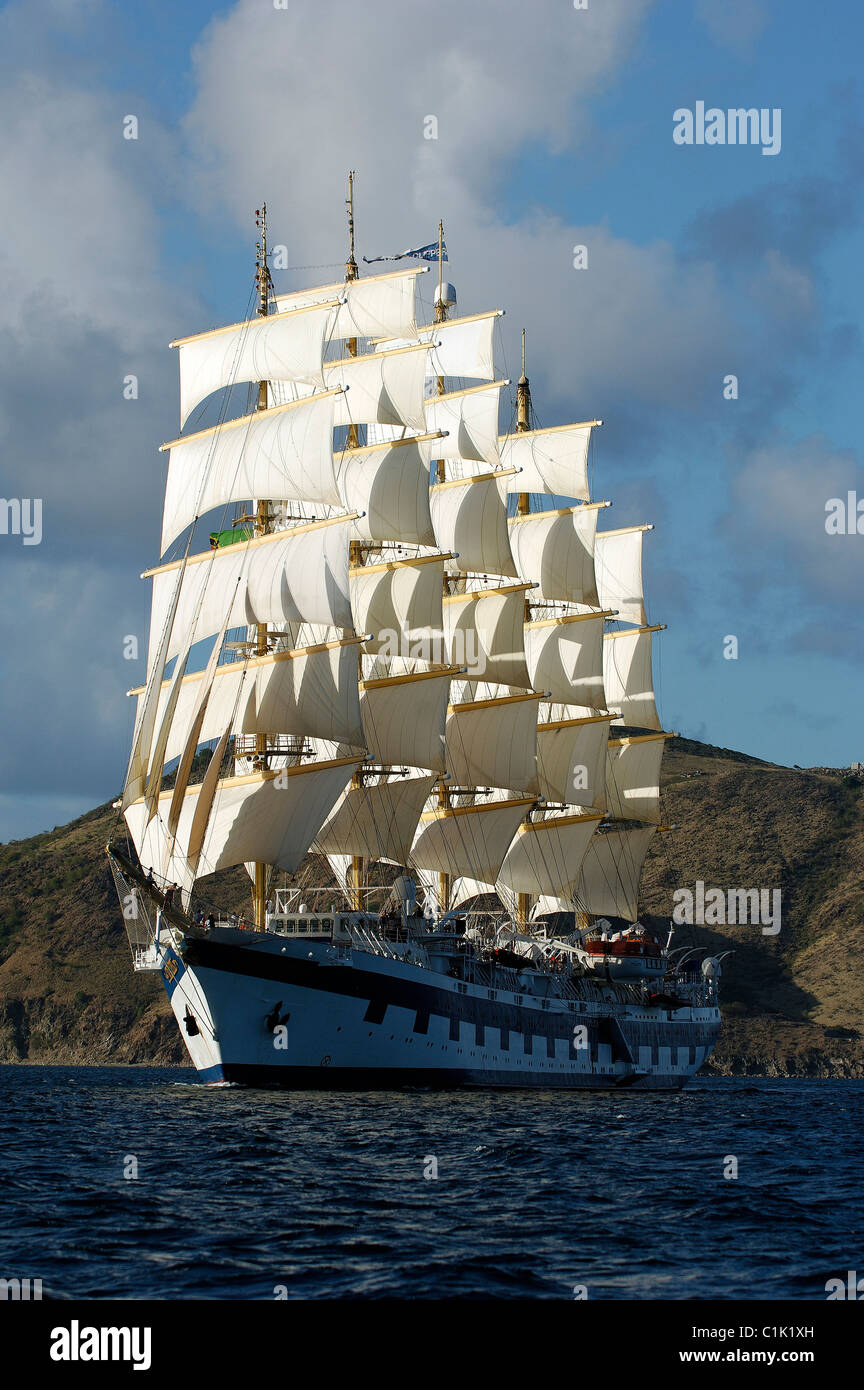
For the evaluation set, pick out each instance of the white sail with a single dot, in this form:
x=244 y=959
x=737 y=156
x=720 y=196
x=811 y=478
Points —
x=565 y=657
x=383 y=387
x=296 y=575
x=192 y=735
x=310 y=692
x=376 y=821
x=470 y=420
x=618 y=565
x=556 y=550
x=388 y=484
x=168 y=699
x=628 y=678
x=286 y=452
x=469 y=516
x=468 y=841
x=633 y=777
x=375 y=306
x=223 y=698
x=494 y=742
x=609 y=879
x=483 y=631
x=281 y=347
x=404 y=718
x=463 y=347
x=551 y=461
x=459 y=889
x=545 y=855
x=398 y=602
x=571 y=760
x=162 y=628
x=266 y=816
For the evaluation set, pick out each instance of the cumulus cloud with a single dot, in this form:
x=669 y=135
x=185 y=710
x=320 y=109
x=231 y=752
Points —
x=777 y=526
x=283 y=103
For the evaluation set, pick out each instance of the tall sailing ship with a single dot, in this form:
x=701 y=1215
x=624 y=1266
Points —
x=420 y=667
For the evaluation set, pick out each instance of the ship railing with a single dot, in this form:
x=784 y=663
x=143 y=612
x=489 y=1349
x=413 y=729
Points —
x=146 y=957
x=370 y=941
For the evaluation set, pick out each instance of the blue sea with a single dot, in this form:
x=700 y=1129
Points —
x=419 y=1194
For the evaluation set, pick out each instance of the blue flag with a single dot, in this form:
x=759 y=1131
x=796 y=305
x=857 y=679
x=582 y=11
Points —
x=422 y=253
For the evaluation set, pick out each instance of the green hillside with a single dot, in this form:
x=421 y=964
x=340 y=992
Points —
x=793 y=1003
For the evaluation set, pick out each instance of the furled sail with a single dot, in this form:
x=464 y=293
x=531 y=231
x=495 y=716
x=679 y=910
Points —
x=286 y=452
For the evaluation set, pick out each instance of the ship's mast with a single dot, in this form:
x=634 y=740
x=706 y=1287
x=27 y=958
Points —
x=523 y=422
x=444 y=883
x=263 y=524
x=355 y=549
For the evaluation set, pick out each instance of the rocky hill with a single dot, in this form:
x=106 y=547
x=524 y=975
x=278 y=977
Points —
x=793 y=1002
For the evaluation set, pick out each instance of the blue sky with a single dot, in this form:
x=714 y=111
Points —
x=555 y=129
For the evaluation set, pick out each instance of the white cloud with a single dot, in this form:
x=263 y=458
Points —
x=777 y=526
x=289 y=99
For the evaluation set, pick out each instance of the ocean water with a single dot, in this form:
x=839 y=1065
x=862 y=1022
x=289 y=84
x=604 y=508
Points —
x=253 y=1195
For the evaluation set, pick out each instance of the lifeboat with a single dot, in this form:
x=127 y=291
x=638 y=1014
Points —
x=633 y=954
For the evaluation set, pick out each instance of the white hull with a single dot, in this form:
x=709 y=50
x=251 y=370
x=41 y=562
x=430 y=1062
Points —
x=260 y=1010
